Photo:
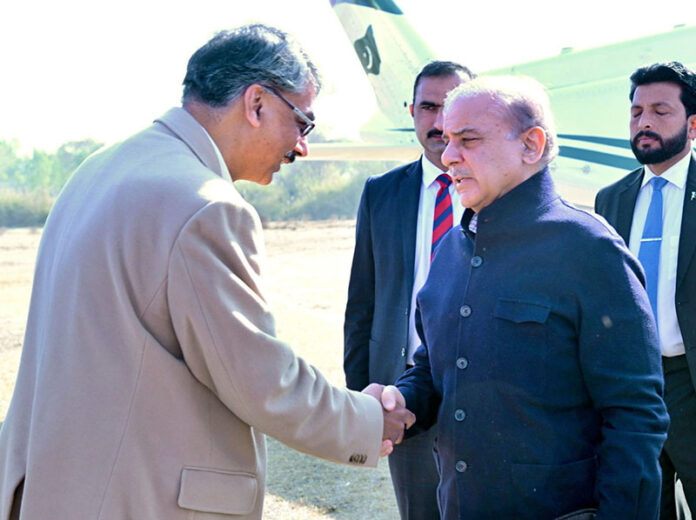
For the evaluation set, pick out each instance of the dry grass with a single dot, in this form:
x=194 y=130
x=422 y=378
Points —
x=307 y=280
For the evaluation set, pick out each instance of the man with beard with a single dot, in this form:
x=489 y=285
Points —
x=654 y=209
x=403 y=214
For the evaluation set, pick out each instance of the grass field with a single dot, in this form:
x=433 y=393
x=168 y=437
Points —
x=307 y=279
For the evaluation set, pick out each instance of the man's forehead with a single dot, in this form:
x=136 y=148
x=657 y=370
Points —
x=433 y=89
x=664 y=92
x=471 y=114
x=304 y=100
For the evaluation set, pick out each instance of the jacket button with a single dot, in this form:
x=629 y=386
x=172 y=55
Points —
x=461 y=466
x=462 y=363
x=459 y=415
x=476 y=261
x=403 y=352
x=465 y=311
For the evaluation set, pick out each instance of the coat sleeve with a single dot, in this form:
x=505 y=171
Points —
x=361 y=301
x=227 y=337
x=622 y=367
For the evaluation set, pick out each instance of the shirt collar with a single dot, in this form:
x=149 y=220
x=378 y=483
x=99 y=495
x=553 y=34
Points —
x=430 y=171
x=676 y=174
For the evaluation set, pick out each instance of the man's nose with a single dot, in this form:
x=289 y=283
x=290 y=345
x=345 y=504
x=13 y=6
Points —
x=302 y=147
x=449 y=157
x=645 y=121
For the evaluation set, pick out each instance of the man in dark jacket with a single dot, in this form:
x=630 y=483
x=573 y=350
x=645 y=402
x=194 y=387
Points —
x=539 y=358
x=663 y=129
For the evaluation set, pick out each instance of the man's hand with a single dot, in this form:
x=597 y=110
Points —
x=396 y=416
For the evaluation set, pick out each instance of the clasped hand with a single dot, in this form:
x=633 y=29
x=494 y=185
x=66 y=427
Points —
x=397 y=418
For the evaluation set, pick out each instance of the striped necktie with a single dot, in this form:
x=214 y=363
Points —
x=442 y=217
x=649 y=252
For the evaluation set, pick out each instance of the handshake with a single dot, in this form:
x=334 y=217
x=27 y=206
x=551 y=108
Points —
x=397 y=418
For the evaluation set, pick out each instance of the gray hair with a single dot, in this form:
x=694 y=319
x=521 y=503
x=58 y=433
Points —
x=523 y=103
x=231 y=61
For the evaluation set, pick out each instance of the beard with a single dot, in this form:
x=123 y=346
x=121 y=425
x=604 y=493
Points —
x=667 y=149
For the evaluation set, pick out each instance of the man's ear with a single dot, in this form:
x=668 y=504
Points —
x=410 y=109
x=691 y=126
x=253 y=102
x=533 y=144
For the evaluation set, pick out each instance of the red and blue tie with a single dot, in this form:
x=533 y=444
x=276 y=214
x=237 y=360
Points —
x=442 y=217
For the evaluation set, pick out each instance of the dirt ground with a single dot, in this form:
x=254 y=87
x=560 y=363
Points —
x=307 y=280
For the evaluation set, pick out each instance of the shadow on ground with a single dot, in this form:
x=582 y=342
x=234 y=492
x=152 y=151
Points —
x=343 y=492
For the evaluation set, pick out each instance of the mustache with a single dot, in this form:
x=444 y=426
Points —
x=646 y=133
x=434 y=132
x=290 y=156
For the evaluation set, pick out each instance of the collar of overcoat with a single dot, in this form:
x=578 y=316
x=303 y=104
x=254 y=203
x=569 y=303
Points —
x=185 y=127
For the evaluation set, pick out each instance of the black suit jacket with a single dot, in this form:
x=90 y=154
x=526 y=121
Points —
x=381 y=279
x=616 y=203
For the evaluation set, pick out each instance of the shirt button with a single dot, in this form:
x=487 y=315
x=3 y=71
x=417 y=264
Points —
x=461 y=466
x=403 y=352
x=462 y=363
x=459 y=415
x=476 y=261
x=465 y=311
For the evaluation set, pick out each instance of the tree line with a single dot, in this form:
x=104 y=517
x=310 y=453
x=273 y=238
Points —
x=305 y=190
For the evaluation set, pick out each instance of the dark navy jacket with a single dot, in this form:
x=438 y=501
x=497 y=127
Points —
x=540 y=365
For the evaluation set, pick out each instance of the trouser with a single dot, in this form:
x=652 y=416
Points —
x=415 y=477
x=678 y=457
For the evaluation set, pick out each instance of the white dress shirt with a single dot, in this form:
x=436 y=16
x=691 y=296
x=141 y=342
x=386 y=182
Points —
x=671 y=341
x=424 y=238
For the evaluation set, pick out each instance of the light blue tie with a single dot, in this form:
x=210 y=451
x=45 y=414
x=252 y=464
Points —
x=649 y=252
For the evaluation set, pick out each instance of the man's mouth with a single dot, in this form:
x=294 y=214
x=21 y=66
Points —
x=646 y=138
x=289 y=157
x=435 y=133
x=459 y=179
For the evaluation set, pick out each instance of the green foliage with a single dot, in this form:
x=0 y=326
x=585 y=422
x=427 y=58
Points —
x=313 y=190
x=42 y=171
x=29 y=185
x=305 y=190
x=24 y=208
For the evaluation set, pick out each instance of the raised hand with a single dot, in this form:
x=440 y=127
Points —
x=396 y=416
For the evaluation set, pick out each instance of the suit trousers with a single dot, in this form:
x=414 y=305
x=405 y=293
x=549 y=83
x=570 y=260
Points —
x=415 y=477
x=678 y=457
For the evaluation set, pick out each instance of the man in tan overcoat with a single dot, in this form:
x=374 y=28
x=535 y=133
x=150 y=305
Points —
x=150 y=366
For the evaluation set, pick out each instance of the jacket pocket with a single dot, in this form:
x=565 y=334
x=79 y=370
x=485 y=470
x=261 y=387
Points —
x=218 y=491
x=555 y=489
x=518 y=311
x=519 y=346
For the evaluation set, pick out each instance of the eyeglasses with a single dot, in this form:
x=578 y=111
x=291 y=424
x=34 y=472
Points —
x=308 y=123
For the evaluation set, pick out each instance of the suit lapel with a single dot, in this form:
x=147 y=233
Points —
x=687 y=236
x=406 y=212
x=627 y=203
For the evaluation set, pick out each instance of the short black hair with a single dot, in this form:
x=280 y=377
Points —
x=672 y=72
x=439 y=69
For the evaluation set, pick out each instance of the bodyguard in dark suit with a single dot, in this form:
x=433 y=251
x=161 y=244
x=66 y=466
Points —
x=539 y=359
x=663 y=127
x=394 y=237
